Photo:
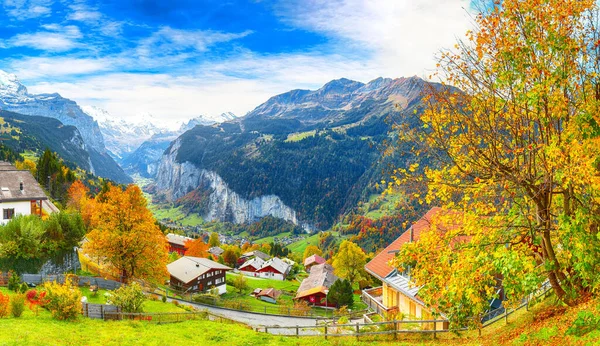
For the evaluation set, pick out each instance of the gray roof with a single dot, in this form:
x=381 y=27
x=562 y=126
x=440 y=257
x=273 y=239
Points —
x=217 y=251
x=177 y=239
x=278 y=265
x=255 y=262
x=402 y=284
x=320 y=275
x=188 y=268
x=10 y=185
x=257 y=253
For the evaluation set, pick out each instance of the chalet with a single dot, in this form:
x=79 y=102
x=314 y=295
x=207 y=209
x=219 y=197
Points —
x=269 y=295
x=252 y=254
x=311 y=261
x=216 y=251
x=251 y=267
x=397 y=294
x=274 y=268
x=20 y=194
x=315 y=287
x=177 y=243
x=193 y=274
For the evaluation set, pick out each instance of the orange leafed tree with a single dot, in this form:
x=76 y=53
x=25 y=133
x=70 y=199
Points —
x=196 y=248
x=125 y=236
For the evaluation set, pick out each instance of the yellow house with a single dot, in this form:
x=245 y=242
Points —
x=397 y=298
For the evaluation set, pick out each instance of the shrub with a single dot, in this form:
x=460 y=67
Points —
x=301 y=308
x=164 y=298
x=129 y=298
x=17 y=305
x=206 y=298
x=240 y=283
x=237 y=304
x=14 y=281
x=22 y=288
x=175 y=302
x=63 y=301
x=35 y=299
x=4 y=305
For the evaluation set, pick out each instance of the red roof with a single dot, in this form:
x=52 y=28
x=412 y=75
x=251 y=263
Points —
x=378 y=266
x=314 y=259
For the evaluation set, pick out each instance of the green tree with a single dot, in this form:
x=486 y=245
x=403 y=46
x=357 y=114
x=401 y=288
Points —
x=312 y=250
x=129 y=298
x=341 y=293
x=349 y=261
x=214 y=239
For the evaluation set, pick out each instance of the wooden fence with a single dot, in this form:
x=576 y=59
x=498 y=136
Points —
x=98 y=311
x=39 y=279
x=396 y=328
x=166 y=317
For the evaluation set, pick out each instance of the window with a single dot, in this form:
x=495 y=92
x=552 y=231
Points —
x=209 y=283
x=8 y=213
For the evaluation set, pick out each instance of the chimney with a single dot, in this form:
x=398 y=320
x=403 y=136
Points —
x=21 y=186
x=197 y=265
x=411 y=234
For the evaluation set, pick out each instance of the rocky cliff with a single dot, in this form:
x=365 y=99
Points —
x=174 y=180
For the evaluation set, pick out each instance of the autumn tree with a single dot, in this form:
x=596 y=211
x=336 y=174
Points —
x=349 y=261
x=516 y=133
x=230 y=257
x=311 y=250
x=214 y=239
x=196 y=248
x=126 y=238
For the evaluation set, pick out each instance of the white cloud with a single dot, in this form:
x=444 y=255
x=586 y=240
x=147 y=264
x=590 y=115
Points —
x=57 y=38
x=402 y=35
x=43 y=67
x=27 y=9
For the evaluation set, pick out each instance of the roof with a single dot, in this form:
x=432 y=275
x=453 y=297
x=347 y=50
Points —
x=257 y=253
x=321 y=277
x=277 y=264
x=379 y=266
x=10 y=185
x=188 y=268
x=269 y=292
x=314 y=259
x=177 y=239
x=255 y=263
x=310 y=292
x=215 y=250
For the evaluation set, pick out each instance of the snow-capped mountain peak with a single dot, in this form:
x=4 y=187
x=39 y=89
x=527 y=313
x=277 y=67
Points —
x=11 y=86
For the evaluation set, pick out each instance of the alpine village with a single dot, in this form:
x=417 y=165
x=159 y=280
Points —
x=387 y=172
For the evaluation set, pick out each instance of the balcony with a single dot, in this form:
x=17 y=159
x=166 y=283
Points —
x=373 y=298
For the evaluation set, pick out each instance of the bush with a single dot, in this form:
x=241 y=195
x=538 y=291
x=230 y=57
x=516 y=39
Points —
x=129 y=298
x=17 y=305
x=4 y=305
x=164 y=298
x=14 y=281
x=301 y=308
x=240 y=283
x=35 y=299
x=22 y=288
x=63 y=301
x=206 y=298
x=237 y=304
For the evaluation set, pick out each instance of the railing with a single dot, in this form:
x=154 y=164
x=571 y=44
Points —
x=369 y=297
x=357 y=330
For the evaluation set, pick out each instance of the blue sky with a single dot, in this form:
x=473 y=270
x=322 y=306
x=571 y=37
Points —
x=181 y=58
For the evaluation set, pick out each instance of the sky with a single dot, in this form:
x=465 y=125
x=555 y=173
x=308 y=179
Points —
x=179 y=59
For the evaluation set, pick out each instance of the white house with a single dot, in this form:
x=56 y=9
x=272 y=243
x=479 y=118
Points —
x=20 y=194
x=273 y=268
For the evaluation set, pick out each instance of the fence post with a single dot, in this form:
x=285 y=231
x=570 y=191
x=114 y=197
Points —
x=506 y=315
x=266 y=329
x=395 y=330
x=102 y=311
x=357 y=331
x=434 y=329
x=297 y=331
x=87 y=311
x=325 y=332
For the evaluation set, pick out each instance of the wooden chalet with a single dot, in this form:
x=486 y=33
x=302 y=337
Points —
x=194 y=274
x=177 y=243
x=315 y=287
x=311 y=261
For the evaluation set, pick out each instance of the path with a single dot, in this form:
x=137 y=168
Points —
x=258 y=320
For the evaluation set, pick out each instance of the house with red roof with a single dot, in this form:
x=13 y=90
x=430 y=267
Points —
x=315 y=287
x=312 y=261
x=397 y=294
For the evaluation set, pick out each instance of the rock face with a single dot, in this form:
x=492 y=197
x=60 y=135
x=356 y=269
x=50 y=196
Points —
x=175 y=180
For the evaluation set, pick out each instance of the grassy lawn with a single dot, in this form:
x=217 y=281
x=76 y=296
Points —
x=301 y=245
x=298 y=136
x=386 y=205
x=149 y=305
x=266 y=283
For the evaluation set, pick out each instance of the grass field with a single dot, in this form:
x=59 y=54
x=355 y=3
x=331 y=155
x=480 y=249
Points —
x=298 y=136
x=268 y=240
x=300 y=246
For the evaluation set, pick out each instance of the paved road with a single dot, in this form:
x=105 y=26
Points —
x=258 y=321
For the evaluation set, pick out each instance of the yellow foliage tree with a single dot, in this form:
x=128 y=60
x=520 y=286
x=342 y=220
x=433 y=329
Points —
x=125 y=236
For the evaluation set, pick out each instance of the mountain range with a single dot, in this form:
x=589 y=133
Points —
x=14 y=97
x=307 y=156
